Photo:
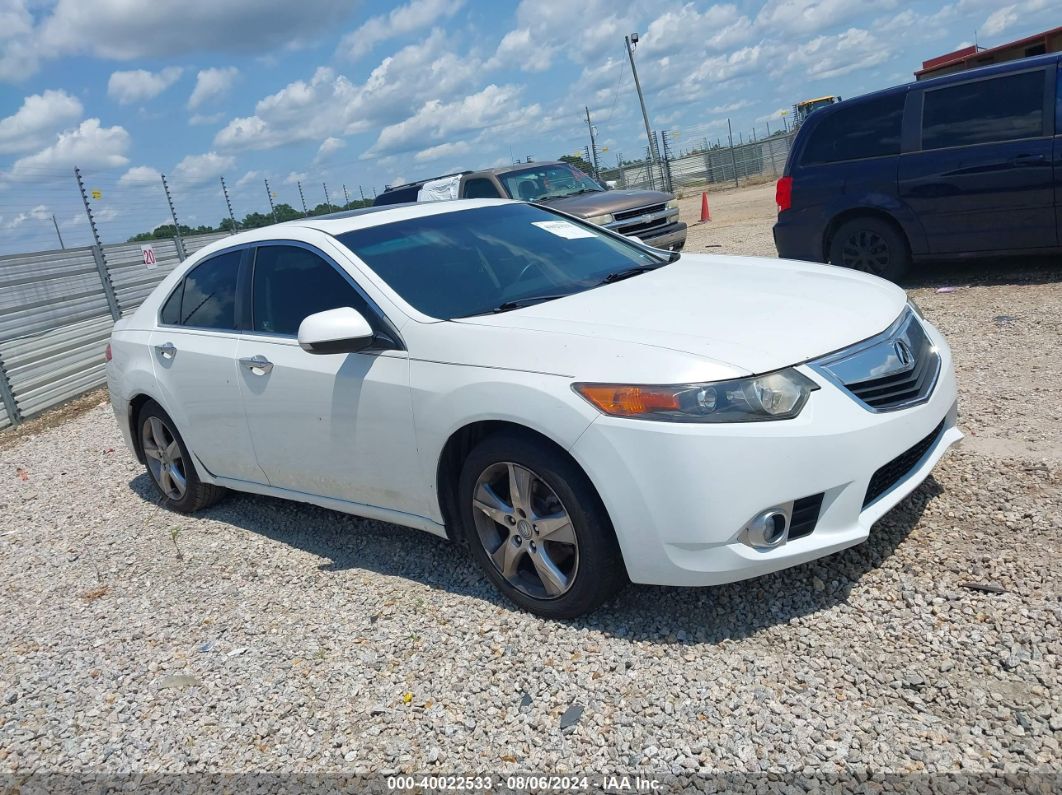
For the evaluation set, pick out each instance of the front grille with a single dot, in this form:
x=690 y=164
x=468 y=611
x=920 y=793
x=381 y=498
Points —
x=805 y=516
x=898 y=468
x=624 y=214
x=899 y=389
x=894 y=370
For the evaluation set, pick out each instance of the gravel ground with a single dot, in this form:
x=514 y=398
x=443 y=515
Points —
x=272 y=636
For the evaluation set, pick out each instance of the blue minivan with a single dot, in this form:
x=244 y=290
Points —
x=965 y=165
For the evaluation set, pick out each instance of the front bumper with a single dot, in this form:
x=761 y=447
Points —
x=671 y=237
x=679 y=495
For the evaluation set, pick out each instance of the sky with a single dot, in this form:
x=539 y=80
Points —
x=360 y=94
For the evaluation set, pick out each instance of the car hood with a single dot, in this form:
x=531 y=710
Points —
x=704 y=316
x=608 y=201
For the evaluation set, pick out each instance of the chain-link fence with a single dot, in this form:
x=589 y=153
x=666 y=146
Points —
x=706 y=164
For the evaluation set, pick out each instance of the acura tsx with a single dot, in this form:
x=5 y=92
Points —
x=574 y=407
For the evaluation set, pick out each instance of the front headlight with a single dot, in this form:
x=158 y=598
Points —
x=673 y=204
x=601 y=220
x=773 y=396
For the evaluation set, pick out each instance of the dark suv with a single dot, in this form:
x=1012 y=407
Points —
x=959 y=166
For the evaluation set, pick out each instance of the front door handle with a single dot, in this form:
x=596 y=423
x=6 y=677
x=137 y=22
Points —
x=1027 y=160
x=259 y=365
x=167 y=350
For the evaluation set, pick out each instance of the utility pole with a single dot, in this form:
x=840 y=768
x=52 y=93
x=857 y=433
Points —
x=346 y=198
x=362 y=192
x=631 y=40
x=56 y=224
x=173 y=215
x=302 y=198
x=593 y=143
x=272 y=208
x=328 y=203
x=733 y=157
x=228 y=204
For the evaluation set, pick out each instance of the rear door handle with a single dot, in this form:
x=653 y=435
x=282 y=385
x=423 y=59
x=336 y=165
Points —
x=167 y=350
x=259 y=365
x=1028 y=159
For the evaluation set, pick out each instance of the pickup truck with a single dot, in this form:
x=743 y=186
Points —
x=651 y=216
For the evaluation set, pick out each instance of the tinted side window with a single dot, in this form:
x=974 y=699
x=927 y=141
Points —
x=208 y=298
x=171 y=310
x=291 y=283
x=1000 y=109
x=866 y=129
x=480 y=189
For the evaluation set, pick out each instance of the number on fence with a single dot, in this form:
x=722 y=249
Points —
x=148 y=252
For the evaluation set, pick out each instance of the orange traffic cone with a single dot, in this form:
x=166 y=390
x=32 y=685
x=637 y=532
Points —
x=705 y=215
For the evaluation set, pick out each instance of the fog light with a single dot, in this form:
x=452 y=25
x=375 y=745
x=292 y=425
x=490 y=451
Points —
x=769 y=529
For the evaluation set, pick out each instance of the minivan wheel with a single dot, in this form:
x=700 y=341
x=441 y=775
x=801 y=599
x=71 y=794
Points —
x=169 y=464
x=870 y=245
x=537 y=528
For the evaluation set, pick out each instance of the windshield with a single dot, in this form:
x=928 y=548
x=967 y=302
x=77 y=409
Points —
x=552 y=181
x=485 y=259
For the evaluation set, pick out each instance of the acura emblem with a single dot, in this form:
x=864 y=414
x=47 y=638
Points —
x=903 y=353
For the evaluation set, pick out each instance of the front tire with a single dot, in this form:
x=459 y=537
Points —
x=537 y=527
x=170 y=466
x=870 y=245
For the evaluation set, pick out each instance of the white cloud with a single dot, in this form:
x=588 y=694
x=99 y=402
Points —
x=832 y=56
x=247 y=179
x=89 y=146
x=37 y=120
x=413 y=16
x=329 y=104
x=140 y=175
x=1000 y=19
x=295 y=176
x=450 y=149
x=212 y=84
x=329 y=146
x=18 y=55
x=200 y=169
x=139 y=85
x=206 y=118
x=38 y=213
x=814 y=16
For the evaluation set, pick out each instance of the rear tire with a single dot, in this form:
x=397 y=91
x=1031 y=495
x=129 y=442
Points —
x=870 y=245
x=536 y=526
x=169 y=464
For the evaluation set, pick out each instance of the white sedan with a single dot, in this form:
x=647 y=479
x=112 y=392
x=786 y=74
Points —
x=576 y=408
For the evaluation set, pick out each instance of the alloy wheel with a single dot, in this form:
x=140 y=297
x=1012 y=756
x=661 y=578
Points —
x=525 y=530
x=164 y=458
x=866 y=251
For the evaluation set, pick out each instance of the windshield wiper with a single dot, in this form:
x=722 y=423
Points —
x=519 y=303
x=618 y=276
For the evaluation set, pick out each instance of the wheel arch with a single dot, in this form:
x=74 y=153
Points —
x=862 y=212
x=456 y=450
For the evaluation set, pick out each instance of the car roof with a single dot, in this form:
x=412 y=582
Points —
x=349 y=220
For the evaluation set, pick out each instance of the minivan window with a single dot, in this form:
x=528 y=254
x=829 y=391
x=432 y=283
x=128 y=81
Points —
x=290 y=283
x=865 y=129
x=207 y=296
x=1005 y=108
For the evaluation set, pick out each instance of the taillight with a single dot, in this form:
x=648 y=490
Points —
x=107 y=352
x=783 y=193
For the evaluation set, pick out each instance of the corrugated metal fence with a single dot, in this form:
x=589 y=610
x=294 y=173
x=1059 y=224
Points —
x=56 y=313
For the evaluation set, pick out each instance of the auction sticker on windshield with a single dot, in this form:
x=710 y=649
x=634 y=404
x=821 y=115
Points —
x=563 y=229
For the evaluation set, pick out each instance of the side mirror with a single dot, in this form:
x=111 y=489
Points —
x=342 y=330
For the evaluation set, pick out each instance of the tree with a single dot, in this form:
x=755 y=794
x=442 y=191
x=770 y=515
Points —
x=579 y=162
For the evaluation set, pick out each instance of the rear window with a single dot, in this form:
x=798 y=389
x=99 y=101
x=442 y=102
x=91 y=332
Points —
x=1004 y=108
x=856 y=132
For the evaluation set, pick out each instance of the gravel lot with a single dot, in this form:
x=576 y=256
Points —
x=265 y=635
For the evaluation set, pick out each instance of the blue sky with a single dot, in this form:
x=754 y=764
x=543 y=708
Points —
x=369 y=93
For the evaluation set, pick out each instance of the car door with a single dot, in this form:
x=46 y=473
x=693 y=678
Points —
x=981 y=179
x=335 y=425
x=194 y=355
